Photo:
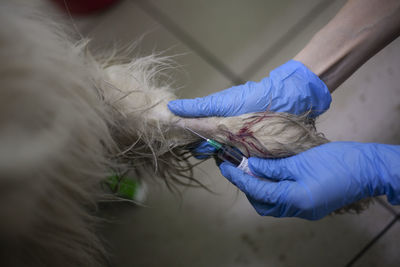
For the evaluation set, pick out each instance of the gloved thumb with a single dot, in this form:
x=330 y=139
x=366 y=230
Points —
x=246 y=183
x=274 y=169
x=254 y=187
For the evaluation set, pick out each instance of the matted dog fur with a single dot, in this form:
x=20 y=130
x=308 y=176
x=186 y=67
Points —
x=67 y=119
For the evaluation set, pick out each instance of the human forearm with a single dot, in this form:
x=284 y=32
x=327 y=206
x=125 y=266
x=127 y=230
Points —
x=355 y=34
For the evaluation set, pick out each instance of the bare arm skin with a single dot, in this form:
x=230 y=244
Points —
x=360 y=30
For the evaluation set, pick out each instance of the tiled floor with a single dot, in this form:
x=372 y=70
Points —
x=220 y=43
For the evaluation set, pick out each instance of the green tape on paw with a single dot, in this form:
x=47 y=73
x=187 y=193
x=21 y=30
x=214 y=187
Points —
x=123 y=187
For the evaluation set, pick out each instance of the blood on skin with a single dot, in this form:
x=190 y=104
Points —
x=245 y=135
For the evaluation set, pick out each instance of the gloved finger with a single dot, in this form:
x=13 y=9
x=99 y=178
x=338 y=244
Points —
x=203 y=150
x=274 y=169
x=198 y=107
x=257 y=188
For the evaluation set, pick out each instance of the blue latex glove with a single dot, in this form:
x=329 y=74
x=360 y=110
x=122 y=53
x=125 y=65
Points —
x=291 y=88
x=318 y=181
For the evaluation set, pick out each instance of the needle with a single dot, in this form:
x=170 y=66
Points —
x=196 y=133
x=214 y=143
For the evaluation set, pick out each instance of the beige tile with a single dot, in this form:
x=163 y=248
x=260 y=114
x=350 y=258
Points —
x=82 y=25
x=126 y=24
x=237 y=32
x=222 y=229
x=382 y=200
x=385 y=252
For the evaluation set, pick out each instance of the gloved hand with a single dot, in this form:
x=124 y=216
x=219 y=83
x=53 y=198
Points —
x=320 y=180
x=291 y=88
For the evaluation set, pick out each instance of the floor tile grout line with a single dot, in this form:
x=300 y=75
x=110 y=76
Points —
x=372 y=242
x=188 y=40
x=286 y=38
x=386 y=206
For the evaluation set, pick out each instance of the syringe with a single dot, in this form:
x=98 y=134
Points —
x=227 y=153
